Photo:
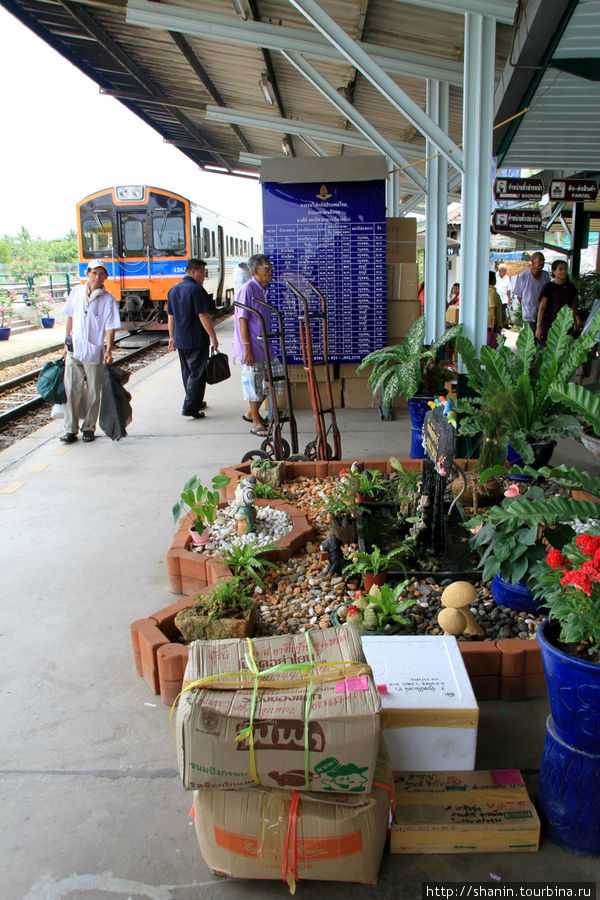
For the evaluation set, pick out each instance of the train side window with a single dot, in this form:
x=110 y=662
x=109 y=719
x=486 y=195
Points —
x=97 y=236
x=194 y=241
x=237 y=247
x=212 y=241
x=205 y=242
x=168 y=232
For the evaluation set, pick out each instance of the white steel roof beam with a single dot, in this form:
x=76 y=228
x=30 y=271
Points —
x=380 y=80
x=278 y=37
x=314 y=130
x=501 y=10
x=360 y=123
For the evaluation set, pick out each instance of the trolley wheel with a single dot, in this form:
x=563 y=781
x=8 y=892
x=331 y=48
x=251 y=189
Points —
x=268 y=447
x=254 y=454
x=298 y=457
x=311 y=450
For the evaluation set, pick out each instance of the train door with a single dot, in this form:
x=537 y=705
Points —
x=221 y=266
x=133 y=234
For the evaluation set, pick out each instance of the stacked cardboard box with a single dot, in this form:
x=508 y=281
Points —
x=463 y=812
x=284 y=762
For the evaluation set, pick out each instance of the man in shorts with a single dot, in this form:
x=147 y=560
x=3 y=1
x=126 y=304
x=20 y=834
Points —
x=247 y=347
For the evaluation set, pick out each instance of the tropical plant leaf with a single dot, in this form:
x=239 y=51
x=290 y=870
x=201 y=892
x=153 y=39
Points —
x=571 y=478
x=582 y=401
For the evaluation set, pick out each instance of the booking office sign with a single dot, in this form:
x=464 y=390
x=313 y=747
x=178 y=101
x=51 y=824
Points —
x=333 y=234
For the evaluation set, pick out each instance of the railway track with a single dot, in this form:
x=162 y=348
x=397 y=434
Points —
x=22 y=410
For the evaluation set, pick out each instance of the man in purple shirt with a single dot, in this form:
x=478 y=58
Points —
x=246 y=344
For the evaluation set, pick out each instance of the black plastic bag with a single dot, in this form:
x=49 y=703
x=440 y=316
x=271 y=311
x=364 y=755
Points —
x=115 y=404
x=217 y=367
x=51 y=381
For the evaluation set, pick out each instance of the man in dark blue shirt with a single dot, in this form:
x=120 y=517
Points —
x=191 y=331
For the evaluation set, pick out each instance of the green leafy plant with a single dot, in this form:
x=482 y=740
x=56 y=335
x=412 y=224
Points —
x=513 y=392
x=380 y=608
x=267 y=492
x=409 y=368
x=588 y=290
x=568 y=580
x=517 y=532
x=583 y=400
x=265 y=464
x=228 y=599
x=202 y=502
x=368 y=482
x=341 y=500
x=374 y=561
x=247 y=559
x=406 y=484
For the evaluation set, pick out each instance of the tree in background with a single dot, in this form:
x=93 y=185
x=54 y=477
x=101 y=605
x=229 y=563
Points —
x=29 y=257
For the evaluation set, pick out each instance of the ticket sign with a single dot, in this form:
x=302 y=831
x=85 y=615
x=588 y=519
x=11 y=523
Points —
x=517 y=220
x=576 y=190
x=518 y=188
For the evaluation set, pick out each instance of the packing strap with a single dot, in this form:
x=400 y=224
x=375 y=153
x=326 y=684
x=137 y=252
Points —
x=289 y=872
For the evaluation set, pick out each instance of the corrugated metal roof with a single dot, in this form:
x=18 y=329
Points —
x=170 y=73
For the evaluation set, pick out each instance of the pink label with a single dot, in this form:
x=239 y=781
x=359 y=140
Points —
x=506 y=776
x=358 y=683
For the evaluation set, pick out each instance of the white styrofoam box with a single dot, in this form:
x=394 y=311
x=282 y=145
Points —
x=429 y=713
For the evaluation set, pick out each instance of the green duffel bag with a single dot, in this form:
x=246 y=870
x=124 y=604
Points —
x=51 y=381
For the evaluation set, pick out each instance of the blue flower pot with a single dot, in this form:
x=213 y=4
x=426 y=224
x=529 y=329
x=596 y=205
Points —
x=4 y=334
x=569 y=783
x=542 y=454
x=516 y=596
x=47 y=322
x=417 y=408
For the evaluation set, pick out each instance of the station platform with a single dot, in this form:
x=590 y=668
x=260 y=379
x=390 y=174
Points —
x=92 y=804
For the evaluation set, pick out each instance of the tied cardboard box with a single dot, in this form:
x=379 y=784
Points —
x=244 y=834
x=429 y=712
x=328 y=729
x=452 y=315
x=297 y=373
x=463 y=812
x=401 y=228
x=401 y=280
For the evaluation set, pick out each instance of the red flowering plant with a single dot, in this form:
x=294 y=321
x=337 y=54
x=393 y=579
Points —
x=568 y=580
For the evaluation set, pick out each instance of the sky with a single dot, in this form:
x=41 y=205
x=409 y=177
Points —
x=63 y=140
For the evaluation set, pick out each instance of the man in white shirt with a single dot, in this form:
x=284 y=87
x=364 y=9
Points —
x=528 y=288
x=503 y=286
x=92 y=319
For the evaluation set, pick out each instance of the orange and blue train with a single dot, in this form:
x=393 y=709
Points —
x=146 y=235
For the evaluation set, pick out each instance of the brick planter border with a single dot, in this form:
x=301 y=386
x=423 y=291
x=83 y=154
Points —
x=509 y=669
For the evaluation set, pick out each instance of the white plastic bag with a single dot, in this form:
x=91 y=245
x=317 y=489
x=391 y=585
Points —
x=58 y=411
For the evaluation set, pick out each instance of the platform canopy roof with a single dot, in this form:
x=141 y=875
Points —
x=231 y=81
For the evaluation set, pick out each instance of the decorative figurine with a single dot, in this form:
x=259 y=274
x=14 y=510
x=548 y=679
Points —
x=456 y=617
x=333 y=546
x=245 y=495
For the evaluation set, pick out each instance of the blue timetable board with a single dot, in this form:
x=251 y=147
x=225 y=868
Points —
x=334 y=236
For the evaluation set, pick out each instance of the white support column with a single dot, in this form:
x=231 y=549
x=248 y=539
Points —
x=392 y=193
x=436 y=173
x=478 y=115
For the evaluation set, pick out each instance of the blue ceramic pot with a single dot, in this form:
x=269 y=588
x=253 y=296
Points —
x=47 y=322
x=569 y=784
x=542 y=454
x=4 y=334
x=417 y=408
x=516 y=596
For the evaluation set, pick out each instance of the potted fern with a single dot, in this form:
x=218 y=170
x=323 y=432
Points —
x=249 y=559
x=411 y=370
x=226 y=610
x=372 y=566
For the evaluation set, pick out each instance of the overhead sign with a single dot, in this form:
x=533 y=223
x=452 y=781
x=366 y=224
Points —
x=574 y=189
x=518 y=188
x=517 y=220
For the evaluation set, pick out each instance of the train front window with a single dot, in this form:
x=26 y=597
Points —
x=97 y=235
x=168 y=232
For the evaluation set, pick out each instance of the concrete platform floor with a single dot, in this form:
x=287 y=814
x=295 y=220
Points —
x=91 y=802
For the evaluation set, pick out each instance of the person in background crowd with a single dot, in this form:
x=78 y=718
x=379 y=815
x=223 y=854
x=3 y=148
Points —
x=92 y=319
x=503 y=286
x=247 y=347
x=454 y=298
x=494 y=312
x=191 y=333
x=421 y=295
x=555 y=294
x=528 y=288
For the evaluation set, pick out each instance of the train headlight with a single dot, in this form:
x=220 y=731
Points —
x=130 y=192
